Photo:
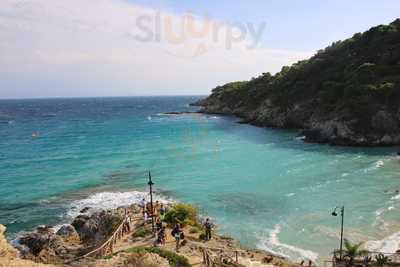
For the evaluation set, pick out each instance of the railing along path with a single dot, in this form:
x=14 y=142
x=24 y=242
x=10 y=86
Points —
x=107 y=246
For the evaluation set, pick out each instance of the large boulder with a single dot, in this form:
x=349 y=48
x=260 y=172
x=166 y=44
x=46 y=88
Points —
x=44 y=238
x=95 y=228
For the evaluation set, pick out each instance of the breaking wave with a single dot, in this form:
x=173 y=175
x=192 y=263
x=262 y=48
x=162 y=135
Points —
x=111 y=200
x=273 y=245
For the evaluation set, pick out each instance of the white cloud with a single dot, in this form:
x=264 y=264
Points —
x=88 y=47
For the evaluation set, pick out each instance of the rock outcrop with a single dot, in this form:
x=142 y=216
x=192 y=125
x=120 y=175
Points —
x=9 y=255
x=94 y=228
x=68 y=233
x=50 y=247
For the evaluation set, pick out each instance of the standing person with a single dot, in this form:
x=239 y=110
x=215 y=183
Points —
x=142 y=205
x=128 y=221
x=208 y=226
x=148 y=209
x=161 y=236
x=158 y=224
x=162 y=212
x=176 y=233
x=156 y=208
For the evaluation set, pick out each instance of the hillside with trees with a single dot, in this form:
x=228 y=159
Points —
x=346 y=94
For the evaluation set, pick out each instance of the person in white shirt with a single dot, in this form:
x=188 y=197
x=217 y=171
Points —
x=142 y=205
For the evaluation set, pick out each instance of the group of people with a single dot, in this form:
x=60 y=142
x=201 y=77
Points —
x=158 y=212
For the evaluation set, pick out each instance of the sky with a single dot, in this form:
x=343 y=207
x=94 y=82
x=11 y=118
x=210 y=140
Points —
x=83 y=48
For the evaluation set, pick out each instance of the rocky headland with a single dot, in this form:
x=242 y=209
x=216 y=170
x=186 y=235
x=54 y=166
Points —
x=346 y=94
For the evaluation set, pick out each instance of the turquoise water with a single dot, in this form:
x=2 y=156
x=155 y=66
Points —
x=263 y=186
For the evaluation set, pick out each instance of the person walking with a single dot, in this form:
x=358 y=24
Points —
x=161 y=236
x=128 y=221
x=177 y=233
x=208 y=227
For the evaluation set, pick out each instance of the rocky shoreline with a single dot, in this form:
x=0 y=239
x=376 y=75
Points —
x=59 y=247
x=313 y=129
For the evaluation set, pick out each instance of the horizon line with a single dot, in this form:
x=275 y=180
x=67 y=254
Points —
x=87 y=97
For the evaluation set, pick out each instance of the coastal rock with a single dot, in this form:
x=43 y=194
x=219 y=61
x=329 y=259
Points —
x=37 y=240
x=385 y=122
x=69 y=234
x=5 y=249
x=44 y=239
x=95 y=228
x=9 y=255
x=85 y=210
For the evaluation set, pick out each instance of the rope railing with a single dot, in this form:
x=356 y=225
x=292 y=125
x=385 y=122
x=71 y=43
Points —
x=107 y=246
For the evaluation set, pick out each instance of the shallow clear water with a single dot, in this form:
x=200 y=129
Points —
x=262 y=186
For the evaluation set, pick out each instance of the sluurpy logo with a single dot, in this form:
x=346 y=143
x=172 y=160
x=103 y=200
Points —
x=198 y=33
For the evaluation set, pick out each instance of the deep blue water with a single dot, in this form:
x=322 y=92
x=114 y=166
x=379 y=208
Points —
x=262 y=186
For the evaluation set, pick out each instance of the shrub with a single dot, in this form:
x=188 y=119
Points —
x=141 y=232
x=182 y=213
x=174 y=259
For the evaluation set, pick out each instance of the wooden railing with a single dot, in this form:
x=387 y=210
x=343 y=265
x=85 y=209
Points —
x=221 y=260
x=107 y=246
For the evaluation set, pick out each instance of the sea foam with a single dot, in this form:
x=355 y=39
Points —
x=273 y=245
x=389 y=244
x=111 y=200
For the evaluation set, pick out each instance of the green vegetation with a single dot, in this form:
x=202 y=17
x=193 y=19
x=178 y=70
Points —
x=174 y=259
x=182 y=213
x=381 y=260
x=351 y=80
x=142 y=232
x=351 y=251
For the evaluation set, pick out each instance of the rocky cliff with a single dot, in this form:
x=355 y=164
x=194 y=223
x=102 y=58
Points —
x=9 y=255
x=346 y=94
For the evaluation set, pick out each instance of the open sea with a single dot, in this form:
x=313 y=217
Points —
x=264 y=187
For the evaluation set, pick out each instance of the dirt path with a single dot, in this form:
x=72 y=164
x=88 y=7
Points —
x=193 y=247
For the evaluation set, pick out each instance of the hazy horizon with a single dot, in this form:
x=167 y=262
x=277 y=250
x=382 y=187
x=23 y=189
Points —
x=105 y=96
